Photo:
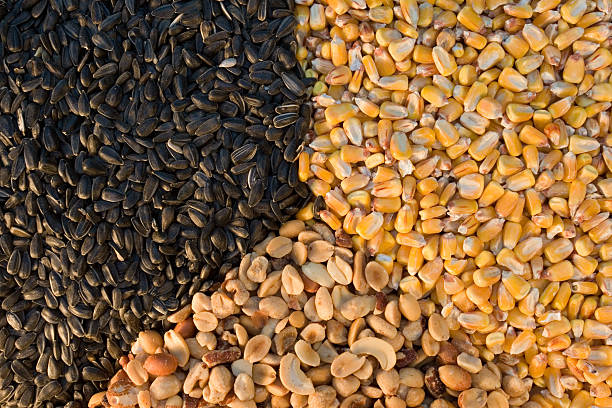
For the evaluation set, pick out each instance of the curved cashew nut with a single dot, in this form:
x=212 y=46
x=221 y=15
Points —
x=292 y=377
x=378 y=348
x=306 y=354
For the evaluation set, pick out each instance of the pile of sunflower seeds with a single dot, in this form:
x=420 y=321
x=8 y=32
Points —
x=144 y=146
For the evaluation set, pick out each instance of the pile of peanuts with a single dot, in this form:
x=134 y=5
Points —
x=466 y=147
x=306 y=323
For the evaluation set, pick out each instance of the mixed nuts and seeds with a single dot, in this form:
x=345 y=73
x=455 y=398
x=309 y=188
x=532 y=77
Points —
x=432 y=230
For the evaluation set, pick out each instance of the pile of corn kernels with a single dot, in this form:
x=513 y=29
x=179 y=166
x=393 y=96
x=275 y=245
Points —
x=466 y=147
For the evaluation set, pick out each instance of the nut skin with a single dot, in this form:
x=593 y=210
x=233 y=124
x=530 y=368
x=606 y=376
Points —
x=448 y=353
x=186 y=328
x=160 y=364
x=433 y=382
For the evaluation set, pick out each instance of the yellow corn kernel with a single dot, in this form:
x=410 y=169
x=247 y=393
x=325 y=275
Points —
x=533 y=136
x=410 y=11
x=572 y=11
x=492 y=54
x=400 y=146
x=470 y=19
x=471 y=186
x=384 y=62
x=491 y=193
x=475 y=40
x=359 y=198
x=339 y=6
x=356 y=80
x=338 y=113
x=516 y=46
x=533 y=202
x=445 y=132
x=574 y=69
x=506 y=203
x=518 y=112
x=512 y=142
x=434 y=95
x=520 y=181
x=369 y=225
x=489 y=108
x=512 y=80
x=339 y=55
x=561 y=107
x=596 y=330
x=386 y=205
x=473 y=320
x=330 y=219
x=422 y=54
x=392 y=111
x=381 y=14
x=568 y=37
x=477 y=91
x=370 y=68
x=368 y=107
x=535 y=37
x=601 y=92
x=445 y=62
x=317 y=17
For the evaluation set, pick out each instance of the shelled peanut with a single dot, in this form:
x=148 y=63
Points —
x=466 y=147
x=305 y=323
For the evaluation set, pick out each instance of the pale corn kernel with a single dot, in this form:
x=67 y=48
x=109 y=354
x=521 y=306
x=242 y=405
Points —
x=445 y=62
x=339 y=113
x=434 y=95
x=512 y=80
x=470 y=19
x=574 y=69
x=535 y=36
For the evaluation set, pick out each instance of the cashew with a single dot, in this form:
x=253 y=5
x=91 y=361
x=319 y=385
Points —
x=378 y=348
x=292 y=377
x=306 y=354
